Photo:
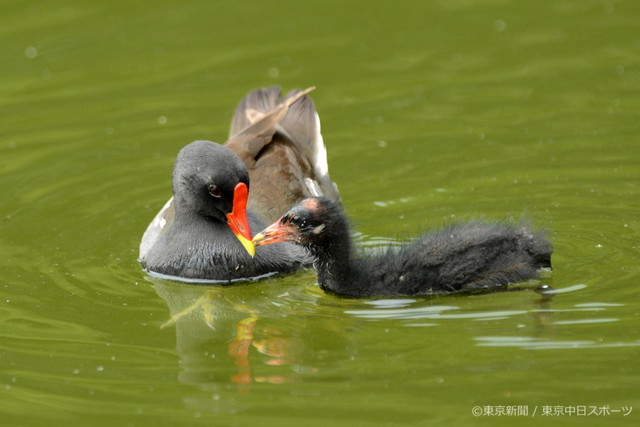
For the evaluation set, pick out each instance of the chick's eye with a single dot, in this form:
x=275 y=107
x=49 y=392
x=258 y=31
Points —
x=297 y=221
x=215 y=191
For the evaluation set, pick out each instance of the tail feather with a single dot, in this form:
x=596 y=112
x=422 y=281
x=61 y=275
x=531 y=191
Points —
x=256 y=104
x=291 y=118
x=299 y=125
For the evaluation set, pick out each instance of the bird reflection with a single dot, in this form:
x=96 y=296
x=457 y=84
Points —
x=221 y=337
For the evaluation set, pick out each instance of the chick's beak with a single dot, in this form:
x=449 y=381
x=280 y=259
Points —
x=237 y=219
x=276 y=232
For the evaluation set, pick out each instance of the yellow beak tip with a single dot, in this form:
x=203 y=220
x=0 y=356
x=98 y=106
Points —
x=248 y=245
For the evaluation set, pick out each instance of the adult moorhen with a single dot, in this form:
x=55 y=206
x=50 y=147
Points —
x=464 y=257
x=276 y=151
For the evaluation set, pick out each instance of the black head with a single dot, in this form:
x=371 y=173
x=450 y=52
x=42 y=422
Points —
x=314 y=222
x=211 y=181
x=204 y=178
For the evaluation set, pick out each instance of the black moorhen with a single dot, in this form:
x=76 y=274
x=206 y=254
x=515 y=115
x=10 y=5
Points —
x=466 y=257
x=275 y=150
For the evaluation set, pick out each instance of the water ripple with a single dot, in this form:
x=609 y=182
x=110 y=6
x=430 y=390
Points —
x=430 y=312
x=532 y=343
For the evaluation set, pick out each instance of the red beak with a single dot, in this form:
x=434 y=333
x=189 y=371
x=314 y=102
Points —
x=237 y=219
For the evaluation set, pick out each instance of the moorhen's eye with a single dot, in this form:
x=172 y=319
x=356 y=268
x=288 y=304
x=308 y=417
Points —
x=215 y=191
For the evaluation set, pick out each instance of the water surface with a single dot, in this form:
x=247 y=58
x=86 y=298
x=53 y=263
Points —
x=433 y=112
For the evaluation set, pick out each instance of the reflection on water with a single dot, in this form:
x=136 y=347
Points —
x=226 y=337
x=207 y=320
x=215 y=336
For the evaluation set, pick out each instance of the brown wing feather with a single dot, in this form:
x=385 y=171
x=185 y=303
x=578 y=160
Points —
x=277 y=141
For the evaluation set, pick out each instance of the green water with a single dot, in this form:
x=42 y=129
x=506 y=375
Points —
x=432 y=112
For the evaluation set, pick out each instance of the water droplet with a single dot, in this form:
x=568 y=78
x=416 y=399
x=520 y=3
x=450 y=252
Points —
x=273 y=72
x=499 y=25
x=31 y=52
